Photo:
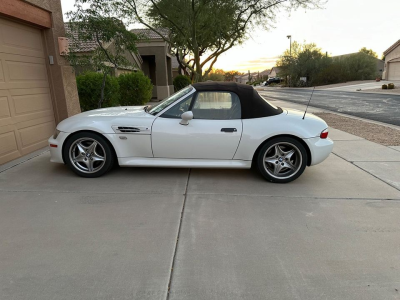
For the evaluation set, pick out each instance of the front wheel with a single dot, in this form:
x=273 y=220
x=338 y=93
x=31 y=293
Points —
x=282 y=160
x=88 y=154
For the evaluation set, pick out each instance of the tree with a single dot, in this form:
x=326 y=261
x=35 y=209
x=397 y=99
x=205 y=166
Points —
x=368 y=52
x=215 y=75
x=307 y=60
x=358 y=66
x=230 y=75
x=112 y=41
x=200 y=30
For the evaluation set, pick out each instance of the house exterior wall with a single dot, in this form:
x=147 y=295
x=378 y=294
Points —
x=61 y=75
x=163 y=71
x=392 y=56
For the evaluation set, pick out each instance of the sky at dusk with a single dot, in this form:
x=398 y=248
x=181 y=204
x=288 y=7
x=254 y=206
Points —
x=341 y=27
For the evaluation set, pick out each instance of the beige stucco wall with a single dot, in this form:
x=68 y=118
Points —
x=61 y=75
x=395 y=54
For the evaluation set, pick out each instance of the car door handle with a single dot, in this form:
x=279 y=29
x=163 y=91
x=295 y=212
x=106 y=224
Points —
x=228 y=130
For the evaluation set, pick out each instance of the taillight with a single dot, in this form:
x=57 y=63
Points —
x=324 y=134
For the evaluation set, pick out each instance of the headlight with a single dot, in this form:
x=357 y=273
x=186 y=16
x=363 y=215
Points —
x=56 y=133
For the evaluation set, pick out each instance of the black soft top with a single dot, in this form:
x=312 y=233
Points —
x=252 y=104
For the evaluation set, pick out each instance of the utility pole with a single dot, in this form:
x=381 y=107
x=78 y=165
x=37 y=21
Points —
x=290 y=52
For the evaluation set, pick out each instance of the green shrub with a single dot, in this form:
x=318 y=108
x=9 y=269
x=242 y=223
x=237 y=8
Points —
x=384 y=87
x=135 y=89
x=89 y=90
x=390 y=86
x=180 y=82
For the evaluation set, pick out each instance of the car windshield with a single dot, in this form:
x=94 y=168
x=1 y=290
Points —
x=155 y=110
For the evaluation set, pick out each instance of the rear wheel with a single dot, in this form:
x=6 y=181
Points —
x=282 y=160
x=88 y=154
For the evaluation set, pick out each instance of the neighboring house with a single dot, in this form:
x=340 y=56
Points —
x=379 y=63
x=264 y=75
x=274 y=72
x=392 y=62
x=153 y=58
x=85 y=47
x=37 y=86
x=242 y=78
x=175 y=68
x=157 y=61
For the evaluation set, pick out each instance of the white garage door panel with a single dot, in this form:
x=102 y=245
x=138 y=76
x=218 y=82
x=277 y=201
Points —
x=8 y=142
x=33 y=101
x=26 y=71
x=36 y=134
x=20 y=39
x=1 y=72
x=4 y=110
x=26 y=110
x=394 y=71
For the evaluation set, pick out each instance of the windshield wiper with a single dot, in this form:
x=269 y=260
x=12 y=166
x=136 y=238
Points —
x=146 y=108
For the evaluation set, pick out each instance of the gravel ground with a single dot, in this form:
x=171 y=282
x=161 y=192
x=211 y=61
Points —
x=396 y=90
x=375 y=133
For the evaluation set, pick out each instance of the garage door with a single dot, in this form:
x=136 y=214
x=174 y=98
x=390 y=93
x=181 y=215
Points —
x=26 y=112
x=394 y=71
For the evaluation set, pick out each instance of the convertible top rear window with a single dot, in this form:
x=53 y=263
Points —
x=252 y=104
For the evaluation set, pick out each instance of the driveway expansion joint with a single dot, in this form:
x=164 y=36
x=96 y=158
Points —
x=353 y=163
x=178 y=236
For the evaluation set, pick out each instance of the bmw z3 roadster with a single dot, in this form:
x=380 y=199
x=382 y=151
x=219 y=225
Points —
x=205 y=125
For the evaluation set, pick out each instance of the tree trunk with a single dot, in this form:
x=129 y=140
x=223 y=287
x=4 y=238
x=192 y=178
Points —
x=103 y=85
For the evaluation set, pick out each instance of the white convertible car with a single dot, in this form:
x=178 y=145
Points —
x=205 y=125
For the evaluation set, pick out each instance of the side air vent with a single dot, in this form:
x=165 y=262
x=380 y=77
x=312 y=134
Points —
x=128 y=129
x=131 y=129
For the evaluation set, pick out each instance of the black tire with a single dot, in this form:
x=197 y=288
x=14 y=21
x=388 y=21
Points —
x=291 y=167
x=90 y=163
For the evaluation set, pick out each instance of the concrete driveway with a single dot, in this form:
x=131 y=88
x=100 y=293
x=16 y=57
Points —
x=204 y=234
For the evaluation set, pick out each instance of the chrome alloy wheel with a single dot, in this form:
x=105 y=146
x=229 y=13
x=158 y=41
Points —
x=282 y=160
x=87 y=155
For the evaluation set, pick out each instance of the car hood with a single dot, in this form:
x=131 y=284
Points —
x=102 y=120
x=132 y=111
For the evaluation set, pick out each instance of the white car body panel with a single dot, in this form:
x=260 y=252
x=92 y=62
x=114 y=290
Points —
x=185 y=163
x=290 y=122
x=201 y=139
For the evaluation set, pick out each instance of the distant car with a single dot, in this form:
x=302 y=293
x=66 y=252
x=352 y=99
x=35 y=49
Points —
x=273 y=80
x=205 y=125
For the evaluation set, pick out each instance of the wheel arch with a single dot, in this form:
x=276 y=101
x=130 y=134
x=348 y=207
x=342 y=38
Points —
x=90 y=131
x=300 y=140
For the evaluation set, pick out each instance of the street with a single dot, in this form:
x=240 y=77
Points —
x=377 y=107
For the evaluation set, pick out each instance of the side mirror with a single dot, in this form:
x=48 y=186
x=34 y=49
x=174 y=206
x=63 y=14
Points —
x=186 y=117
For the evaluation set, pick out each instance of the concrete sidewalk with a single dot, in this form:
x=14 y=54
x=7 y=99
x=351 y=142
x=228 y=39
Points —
x=204 y=234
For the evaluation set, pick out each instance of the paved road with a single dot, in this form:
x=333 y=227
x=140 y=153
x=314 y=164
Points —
x=377 y=107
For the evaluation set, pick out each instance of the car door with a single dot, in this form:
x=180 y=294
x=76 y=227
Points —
x=213 y=133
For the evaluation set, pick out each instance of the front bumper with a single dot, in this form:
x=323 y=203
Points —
x=319 y=148
x=56 y=152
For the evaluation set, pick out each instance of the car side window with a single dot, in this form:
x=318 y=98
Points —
x=217 y=106
x=177 y=110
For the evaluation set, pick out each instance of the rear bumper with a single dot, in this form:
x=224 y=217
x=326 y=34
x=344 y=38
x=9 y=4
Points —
x=319 y=148
x=56 y=152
